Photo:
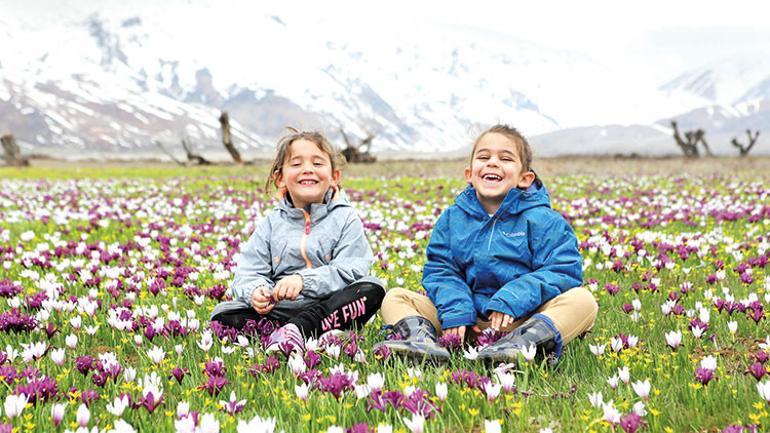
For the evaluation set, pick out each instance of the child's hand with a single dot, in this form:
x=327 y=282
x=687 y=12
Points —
x=288 y=288
x=261 y=300
x=459 y=331
x=500 y=320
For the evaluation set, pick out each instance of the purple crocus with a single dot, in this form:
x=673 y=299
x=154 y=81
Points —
x=757 y=370
x=704 y=375
x=631 y=422
x=382 y=352
x=214 y=385
x=336 y=384
x=84 y=364
x=450 y=341
x=179 y=373
x=312 y=359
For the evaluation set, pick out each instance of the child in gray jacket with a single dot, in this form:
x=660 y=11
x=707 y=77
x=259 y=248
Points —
x=307 y=263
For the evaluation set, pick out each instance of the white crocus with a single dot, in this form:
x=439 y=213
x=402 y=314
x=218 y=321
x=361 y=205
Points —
x=492 y=426
x=156 y=354
x=441 y=391
x=118 y=406
x=709 y=363
x=674 y=338
x=624 y=374
x=596 y=399
x=642 y=389
x=416 y=424
x=529 y=352
x=83 y=415
x=14 y=405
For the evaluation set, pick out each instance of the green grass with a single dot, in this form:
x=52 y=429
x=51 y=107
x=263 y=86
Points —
x=224 y=197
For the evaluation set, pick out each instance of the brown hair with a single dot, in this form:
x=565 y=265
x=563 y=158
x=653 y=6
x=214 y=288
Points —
x=522 y=145
x=283 y=148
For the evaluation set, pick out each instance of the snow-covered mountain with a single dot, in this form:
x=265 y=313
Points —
x=116 y=77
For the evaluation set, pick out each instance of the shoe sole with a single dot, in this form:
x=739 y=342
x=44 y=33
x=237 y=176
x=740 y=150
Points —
x=415 y=355
x=495 y=359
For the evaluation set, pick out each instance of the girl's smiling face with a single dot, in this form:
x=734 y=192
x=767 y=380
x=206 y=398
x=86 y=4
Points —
x=495 y=169
x=307 y=173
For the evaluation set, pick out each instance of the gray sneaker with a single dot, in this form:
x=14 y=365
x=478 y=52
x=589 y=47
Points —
x=538 y=330
x=415 y=338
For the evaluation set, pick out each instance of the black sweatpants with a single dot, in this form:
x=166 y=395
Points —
x=353 y=305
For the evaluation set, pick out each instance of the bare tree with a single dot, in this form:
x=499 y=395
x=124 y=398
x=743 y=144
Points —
x=690 y=146
x=358 y=153
x=167 y=152
x=12 y=154
x=193 y=157
x=752 y=141
x=227 y=140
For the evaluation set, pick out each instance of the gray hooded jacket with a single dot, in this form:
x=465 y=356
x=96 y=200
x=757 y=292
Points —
x=326 y=246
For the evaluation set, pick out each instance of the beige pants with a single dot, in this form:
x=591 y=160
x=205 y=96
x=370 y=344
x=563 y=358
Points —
x=573 y=312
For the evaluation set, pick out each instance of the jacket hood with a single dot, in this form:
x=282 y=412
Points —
x=514 y=203
x=332 y=199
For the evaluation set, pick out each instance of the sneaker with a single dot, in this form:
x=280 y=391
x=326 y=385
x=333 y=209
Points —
x=330 y=336
x=286 y=339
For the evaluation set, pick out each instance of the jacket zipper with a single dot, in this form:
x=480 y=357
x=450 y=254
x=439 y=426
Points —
x=491 y=233
x=303 y=242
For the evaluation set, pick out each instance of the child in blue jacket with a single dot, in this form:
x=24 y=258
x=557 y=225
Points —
x=500 y=257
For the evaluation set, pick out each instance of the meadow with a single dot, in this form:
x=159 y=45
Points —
x=108 y=275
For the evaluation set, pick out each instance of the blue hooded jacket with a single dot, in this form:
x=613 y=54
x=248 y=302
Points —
x=512 y=262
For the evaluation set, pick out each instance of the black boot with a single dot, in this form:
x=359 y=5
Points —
x=418 y=341
x=538 y=330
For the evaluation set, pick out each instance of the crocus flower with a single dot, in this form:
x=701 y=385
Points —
x=596 y=399
x=375 y=381
x=122 y=427
x=529 y=352
x=674 y=339
x=14 y=405
x=492 y=390
x=704 y=375
x=624 y=374
x=764 y=390
x=757 y=370
x=630 y=422
x=416 y=424
x=492 y=426
x=118 y=405
x=156 y=354
x=597 y=349
x=642 y=389
x=611 y=415
x=709 y=363
x=57 y=413
x=301 y=391
x=256 y=425
x=471 y=353
x=441 y=391
x=83 y=415
x=234 y=405
x=57 y=356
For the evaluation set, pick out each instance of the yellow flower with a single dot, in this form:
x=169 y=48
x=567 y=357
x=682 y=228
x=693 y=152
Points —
x=473 y=412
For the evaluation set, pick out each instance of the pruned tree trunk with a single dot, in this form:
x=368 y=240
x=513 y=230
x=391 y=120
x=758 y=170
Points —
x=227 y=141
x=358 y=153
x=12 y=154
x=690 y=146
x=746 y=149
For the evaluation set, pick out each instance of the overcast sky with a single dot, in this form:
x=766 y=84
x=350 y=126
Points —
x=662 y=36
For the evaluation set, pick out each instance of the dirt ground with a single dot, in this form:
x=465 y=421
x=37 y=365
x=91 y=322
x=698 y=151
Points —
x=610 y=166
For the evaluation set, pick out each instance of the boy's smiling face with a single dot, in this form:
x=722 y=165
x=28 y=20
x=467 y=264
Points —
x=495 y=169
